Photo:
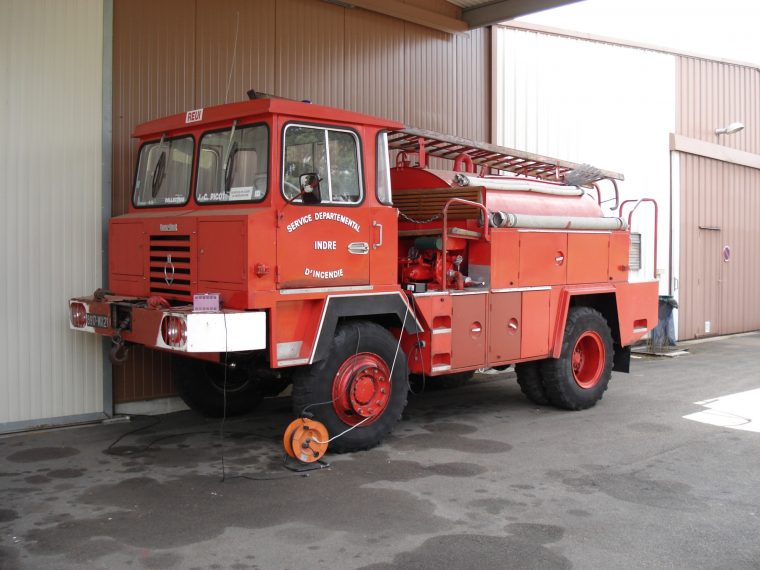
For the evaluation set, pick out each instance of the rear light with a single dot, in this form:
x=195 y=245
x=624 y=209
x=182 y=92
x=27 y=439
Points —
x=78 y=315
x=174 y=331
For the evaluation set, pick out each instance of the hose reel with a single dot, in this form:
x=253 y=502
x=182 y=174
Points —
x=305 y=440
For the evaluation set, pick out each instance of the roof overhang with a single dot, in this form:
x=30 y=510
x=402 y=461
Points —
x=454 y=16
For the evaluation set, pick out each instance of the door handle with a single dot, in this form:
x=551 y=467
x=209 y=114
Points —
x=380 y=227
x=358 y=248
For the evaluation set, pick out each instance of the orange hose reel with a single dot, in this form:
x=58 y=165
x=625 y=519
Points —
x=305 y=440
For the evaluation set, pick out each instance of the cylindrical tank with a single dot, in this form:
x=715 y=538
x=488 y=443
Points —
x=499 y=199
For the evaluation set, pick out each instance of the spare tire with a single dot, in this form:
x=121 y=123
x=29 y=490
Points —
x=207 y=389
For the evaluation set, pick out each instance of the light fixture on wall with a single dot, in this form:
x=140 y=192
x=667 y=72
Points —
x=730 y=129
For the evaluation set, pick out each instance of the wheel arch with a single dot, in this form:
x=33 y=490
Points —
x=605 y=302
x=386 y=309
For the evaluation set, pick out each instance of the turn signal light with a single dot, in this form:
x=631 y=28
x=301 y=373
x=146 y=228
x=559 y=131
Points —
x=78 y=315
x=174 y=331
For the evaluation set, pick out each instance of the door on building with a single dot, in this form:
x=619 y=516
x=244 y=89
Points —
x=708 y=282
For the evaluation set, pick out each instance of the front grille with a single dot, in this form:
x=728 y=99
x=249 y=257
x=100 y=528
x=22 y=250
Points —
x=170 y=258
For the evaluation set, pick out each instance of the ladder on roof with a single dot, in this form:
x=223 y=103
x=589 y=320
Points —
x=486 y=155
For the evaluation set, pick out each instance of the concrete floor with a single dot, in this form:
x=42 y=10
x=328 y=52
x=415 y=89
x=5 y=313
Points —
x=473 y=478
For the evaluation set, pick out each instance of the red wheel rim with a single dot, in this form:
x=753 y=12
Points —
x=588 y=359
x=361 y=389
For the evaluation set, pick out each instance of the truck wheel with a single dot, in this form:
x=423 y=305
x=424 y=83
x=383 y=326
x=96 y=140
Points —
x=202 y=386
x=578 y=378
x=531 y=383
x=353 y=385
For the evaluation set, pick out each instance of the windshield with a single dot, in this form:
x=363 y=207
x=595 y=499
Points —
x=233 y=165
x=163 y=173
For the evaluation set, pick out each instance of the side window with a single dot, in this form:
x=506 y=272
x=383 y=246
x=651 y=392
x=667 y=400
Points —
x=383 y=174
x=330 y=153
x=233 y=165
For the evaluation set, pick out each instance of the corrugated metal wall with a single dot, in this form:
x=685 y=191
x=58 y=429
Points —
x=50 y=221
x=608 y=105
x=182 y=58
x=719 y=201
x=712 y=94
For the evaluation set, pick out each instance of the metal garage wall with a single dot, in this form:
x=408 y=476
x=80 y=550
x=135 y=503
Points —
x=720 y=201
x=720 y=206
x=50 y=219
x=609 y=105
x=182 y=58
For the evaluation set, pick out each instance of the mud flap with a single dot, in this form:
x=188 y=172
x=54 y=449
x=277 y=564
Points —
x=621 y=361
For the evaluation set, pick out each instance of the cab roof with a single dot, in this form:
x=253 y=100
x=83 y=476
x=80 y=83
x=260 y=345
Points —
x=205 y=117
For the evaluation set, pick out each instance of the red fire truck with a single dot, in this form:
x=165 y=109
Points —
x=329 y=248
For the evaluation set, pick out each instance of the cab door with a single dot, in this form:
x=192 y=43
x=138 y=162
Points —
x=323 y=235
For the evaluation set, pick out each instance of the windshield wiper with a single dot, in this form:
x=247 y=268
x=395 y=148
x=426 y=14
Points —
x=228 y=159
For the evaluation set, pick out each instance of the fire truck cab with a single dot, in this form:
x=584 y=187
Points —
x=279 y=241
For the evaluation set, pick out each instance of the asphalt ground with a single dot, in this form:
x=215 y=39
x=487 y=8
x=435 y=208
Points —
x=473 y=477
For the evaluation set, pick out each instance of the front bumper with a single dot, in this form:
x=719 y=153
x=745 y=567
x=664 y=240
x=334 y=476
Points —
x=223 y=331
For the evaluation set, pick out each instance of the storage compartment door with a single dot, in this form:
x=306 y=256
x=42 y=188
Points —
x=535 y=316
x=504 y=327
x=468 y=331
x=543 y=258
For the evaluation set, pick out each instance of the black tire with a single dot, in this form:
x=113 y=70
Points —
x=531 y=383
x=358 y=349
x=445 y=382
x=579 y=384
x=202 y=386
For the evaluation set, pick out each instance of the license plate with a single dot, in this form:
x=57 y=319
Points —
x=98 y=321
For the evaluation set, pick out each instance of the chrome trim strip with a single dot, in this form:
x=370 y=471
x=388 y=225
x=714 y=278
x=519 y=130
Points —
x=519 y=289
x=348 y=288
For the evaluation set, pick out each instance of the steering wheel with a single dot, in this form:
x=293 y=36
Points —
x=290 y=190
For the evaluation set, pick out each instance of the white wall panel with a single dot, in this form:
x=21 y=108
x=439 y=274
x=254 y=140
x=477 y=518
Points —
x=585 y=101
x=50 y=218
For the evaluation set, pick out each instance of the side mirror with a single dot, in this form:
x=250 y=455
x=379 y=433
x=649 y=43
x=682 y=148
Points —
x=309 y=185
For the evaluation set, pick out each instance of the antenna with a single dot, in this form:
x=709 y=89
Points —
x=234 y=55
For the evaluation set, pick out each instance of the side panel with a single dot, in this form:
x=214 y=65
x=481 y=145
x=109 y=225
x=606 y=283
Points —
x=126 y=257
x=294 y=329
x=543 y=257
x=221 y=251
x=383 y=246
x=535 y=317
x=504 y=327
x=637 y=309
x=468 y=330
x=587 y=258
x=620 y=245
x=434 y=311
x=505 y=245
x=125 y=244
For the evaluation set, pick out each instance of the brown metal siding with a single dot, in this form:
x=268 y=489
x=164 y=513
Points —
x=309 y=56
x=721 y=198
x=374 y=55
x=180 y=58
x=153 y=70
x=473 y=84
x=712 y=94
x=238 y=27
